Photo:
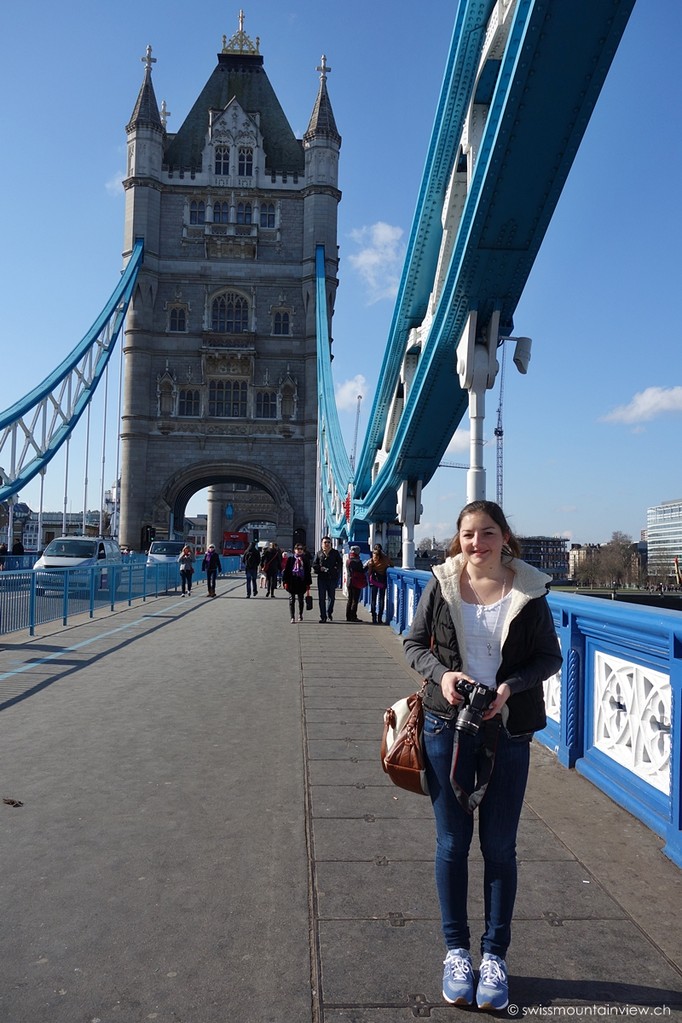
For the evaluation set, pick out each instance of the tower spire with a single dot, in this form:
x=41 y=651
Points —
x=240 y=42
x=322 y=123
x=146 y=108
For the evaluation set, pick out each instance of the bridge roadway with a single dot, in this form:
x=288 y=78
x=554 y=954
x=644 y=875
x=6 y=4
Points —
x=206 y=836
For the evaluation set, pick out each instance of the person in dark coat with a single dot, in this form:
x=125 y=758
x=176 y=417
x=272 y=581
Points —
x=270 y=564
x=377 y=568
x=327 y=567
x=211 y=566
x=297 y=579
x=251 y=560
x=356 y=580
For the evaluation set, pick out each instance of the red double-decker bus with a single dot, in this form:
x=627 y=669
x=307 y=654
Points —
x=234 y=544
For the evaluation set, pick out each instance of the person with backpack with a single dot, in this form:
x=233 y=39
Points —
x=251 y=561
x=356 y=580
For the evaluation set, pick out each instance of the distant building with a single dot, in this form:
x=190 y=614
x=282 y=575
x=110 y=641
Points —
x=579 y=555
x=52 y=524
x=664 y=539
x=196 y=532
x=548 y=553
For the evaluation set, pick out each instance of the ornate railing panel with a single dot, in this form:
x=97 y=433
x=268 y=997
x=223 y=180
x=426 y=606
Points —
x=615 y=710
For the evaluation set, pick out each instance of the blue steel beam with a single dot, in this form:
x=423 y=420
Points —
x=335 y=467
x=425 y=236
x=34 y=428
x=555 y=62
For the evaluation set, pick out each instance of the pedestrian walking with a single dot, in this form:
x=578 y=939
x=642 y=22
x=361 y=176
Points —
x=211 y=566
x=327 y=567
x=377 y=568
x=297 y=578
x=484 y=640
x=356 y=580
x=270 y=565
x=186 y=561
x=251 y=561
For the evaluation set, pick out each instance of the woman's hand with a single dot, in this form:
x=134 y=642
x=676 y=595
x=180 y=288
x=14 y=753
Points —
x=448 y=683
x=502 y=694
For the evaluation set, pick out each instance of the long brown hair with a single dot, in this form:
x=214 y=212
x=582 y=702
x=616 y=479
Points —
x=511 y=545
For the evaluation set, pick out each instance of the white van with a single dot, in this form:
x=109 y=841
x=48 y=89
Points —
x=78 y=552
x=164 y=552
x=74 y=552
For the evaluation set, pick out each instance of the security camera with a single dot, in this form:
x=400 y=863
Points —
x=522 y=353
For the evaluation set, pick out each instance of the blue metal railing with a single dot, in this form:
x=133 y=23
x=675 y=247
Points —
x=29 y=597
x=615 y=710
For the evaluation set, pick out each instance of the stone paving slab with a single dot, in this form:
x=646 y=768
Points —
x=194 y=826
x=569 y=966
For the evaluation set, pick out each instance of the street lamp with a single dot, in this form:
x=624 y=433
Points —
x=477 y=369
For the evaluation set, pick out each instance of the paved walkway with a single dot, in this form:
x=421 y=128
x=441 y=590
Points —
x=206 y=836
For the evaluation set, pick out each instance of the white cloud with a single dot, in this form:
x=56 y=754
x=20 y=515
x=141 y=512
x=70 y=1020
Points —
x=380 y=259
x=647 y=405
x=114 y=186
x=459 y=443
x=347 y=393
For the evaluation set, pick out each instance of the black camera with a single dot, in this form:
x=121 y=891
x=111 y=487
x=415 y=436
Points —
x=477 y=699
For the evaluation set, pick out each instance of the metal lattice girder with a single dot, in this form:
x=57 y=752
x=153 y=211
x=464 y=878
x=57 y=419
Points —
x=34 y=428
x=335 y=467
x=538 y=91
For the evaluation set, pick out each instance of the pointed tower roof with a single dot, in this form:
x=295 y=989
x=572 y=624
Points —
x=146 y=110
x=322 y=123
x=239 y=75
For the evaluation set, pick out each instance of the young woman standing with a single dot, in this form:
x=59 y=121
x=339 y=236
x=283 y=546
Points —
x=483 y=619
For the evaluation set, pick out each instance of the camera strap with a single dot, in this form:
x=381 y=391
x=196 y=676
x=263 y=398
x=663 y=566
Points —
x=473 y=761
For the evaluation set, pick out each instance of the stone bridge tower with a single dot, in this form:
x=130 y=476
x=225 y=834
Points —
x=220 y=385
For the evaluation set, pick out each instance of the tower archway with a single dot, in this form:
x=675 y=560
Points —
x=237 y=494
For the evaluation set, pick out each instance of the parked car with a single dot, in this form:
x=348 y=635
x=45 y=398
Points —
x=164 y=552
x=74 y=552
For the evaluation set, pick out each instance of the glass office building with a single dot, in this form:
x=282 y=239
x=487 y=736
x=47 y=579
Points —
x=664 y=539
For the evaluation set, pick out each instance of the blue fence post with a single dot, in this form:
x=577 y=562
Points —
x=572 y=742
x=32 y=605
x=673 y=846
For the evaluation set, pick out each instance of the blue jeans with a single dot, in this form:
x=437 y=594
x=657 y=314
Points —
x=251 y=581
x=498 y=820
x=326 y=594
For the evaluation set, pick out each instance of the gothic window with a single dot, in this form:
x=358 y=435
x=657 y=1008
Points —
x=197 y=213
x=244 y=213
x=227 y=398
x=222 y=160
x=178 y=320
x=266 y=405
x=281 y=323
x=267 y=215
x=230 y=314
x=221 y=213
x=245 y=161
x=188 y=403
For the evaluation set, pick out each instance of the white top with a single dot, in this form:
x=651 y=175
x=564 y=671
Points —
x=483 y=628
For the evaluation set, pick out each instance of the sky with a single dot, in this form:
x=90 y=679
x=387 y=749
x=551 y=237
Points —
x=591 y=434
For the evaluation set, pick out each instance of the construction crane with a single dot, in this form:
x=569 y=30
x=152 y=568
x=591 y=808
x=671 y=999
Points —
x=355 y=436
x=499 y=436
x=445 y=464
